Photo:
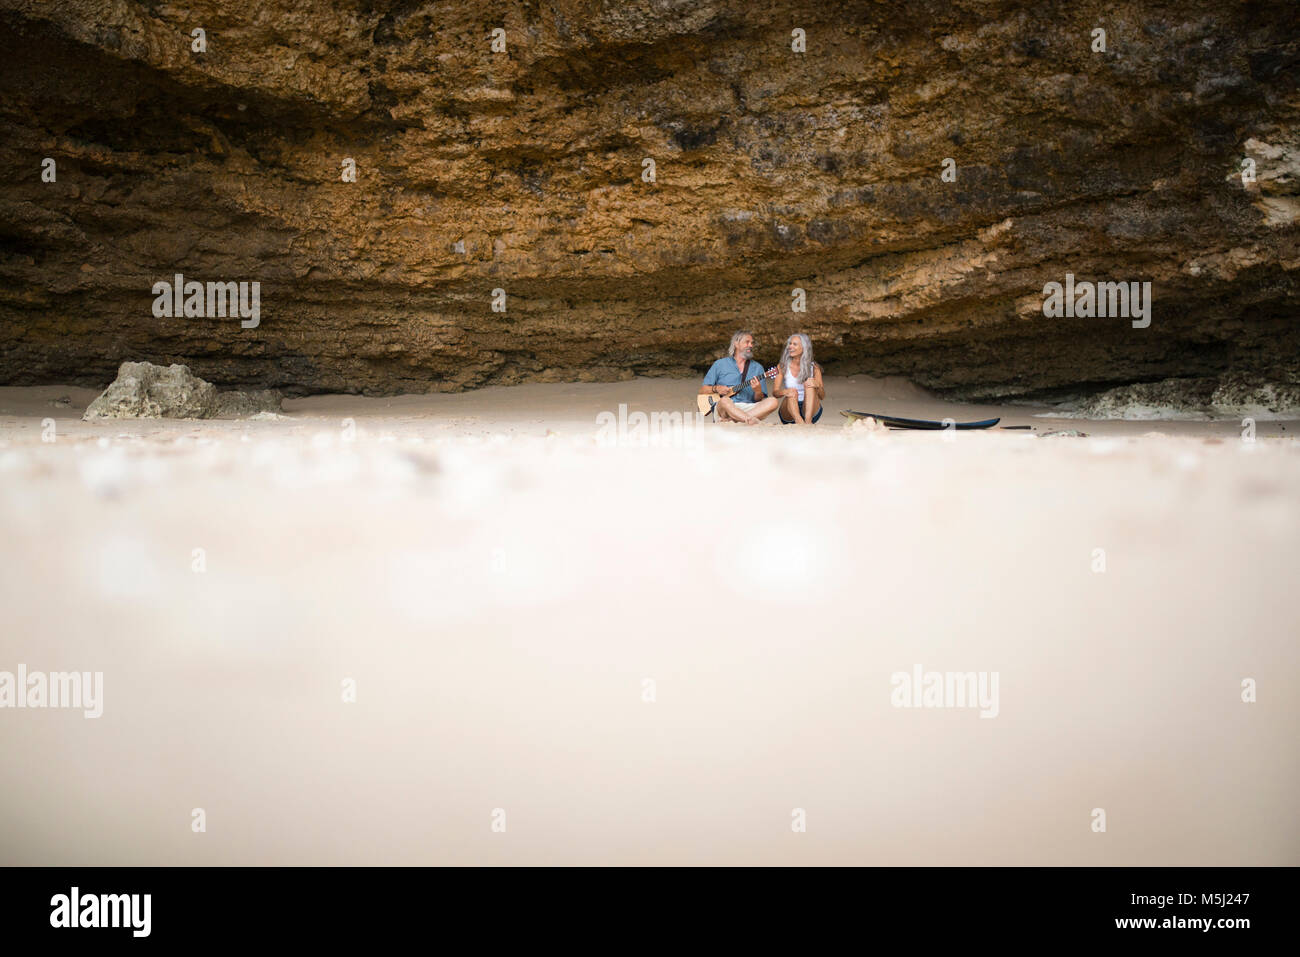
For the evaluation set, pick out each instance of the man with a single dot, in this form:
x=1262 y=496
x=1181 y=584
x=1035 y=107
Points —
x=749 y=404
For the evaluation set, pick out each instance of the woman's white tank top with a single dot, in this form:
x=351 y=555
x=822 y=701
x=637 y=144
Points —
x=792 y=383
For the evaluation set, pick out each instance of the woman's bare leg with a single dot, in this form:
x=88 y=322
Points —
x=790 y=408
x=810 y=405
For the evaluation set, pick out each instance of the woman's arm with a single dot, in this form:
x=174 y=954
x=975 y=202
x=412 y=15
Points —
x=815 y=380
x=779 y=389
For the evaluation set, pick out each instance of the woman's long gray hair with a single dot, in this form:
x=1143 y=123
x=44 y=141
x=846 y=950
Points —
x=805 y=370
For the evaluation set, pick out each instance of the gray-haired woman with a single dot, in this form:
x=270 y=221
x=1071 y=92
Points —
x=799 y=383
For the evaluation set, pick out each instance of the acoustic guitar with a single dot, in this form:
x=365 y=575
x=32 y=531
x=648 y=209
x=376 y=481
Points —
x=707 y=403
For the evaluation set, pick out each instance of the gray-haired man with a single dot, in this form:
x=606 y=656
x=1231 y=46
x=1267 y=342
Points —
x=738 y=368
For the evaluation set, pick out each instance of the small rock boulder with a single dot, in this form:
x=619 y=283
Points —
x=143 y=390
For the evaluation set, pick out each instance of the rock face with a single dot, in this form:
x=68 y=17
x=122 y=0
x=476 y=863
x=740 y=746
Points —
x=242 y=405
x=1233 y=395
x=145 y=391
x=1171 y=156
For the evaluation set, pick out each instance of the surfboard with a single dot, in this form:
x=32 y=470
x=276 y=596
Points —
x=894 y=422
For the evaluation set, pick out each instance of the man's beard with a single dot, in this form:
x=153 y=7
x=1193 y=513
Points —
x=747 y=353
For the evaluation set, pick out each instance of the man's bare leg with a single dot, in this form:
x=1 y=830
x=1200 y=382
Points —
x=765 y=408
x=720 y=411
x=727 y=412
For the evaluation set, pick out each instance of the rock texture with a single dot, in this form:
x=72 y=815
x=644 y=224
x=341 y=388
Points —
x=522 y=171
x=248 y=404
x=146 y=391
x=1233 y=395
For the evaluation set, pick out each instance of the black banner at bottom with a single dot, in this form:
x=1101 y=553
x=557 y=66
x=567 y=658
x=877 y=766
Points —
x=333 y=906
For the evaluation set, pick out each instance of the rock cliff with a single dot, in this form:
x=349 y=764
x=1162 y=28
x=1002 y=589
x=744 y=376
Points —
x=921 y=170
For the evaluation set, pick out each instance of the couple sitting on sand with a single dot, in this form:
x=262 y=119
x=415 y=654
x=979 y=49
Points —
x=797 y=391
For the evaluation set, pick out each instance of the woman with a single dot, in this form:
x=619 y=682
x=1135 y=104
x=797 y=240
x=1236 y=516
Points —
x=799 y=383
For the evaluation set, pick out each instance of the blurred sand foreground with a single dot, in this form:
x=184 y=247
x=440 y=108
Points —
x=645 y=655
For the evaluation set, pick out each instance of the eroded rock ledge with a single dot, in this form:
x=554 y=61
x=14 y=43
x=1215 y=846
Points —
x=522 y=171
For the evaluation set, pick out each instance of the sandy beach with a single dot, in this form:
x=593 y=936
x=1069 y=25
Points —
x=572 y=646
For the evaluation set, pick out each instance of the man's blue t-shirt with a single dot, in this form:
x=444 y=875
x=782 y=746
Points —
x=726 y=372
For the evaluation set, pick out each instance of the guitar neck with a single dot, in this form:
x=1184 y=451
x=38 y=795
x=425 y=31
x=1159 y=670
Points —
x=769 y=374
